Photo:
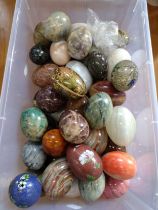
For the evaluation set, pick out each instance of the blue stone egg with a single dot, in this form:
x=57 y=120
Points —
x=33 y=155
x=25 y=190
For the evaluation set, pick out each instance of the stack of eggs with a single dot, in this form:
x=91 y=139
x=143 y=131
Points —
x=77 y=130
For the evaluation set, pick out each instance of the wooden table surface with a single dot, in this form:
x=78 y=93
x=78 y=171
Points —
x=6 y=14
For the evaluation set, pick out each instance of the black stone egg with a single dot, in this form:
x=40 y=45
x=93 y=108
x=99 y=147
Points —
x=39 y=54
x=96 y=63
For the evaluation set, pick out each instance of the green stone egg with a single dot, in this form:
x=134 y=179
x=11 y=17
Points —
x=33 y=123
x=92 y=190
x=98 y=110
x=68 y=82
x=38 y=34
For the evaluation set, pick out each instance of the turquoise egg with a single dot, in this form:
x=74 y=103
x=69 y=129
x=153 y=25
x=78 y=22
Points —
x=92 y=190
x=33 y=123
x=98 y=110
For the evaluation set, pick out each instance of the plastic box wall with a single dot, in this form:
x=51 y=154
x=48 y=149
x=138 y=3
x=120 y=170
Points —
x=18 y=91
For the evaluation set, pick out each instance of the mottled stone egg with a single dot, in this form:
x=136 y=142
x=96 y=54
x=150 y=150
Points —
x=79 y=43
x=98 y=110
x=73 y=127
x=84 y=162
x=38 y=35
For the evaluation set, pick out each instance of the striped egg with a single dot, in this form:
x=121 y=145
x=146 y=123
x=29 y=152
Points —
x=57 y=179
x=33 y=155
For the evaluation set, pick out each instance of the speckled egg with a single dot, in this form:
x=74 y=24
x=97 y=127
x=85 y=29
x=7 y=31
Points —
x=115 y=188
x=84 y=162
x=68 y=82
x=114 y=147
x=82 y=71
x=33 y=123
x=98 y=110
x=42 y=75
x=48 y=100
x=59 y=53
x=119 y=165
x=39 y=54
x=96 y=63
x=73 y=127
x=117 y=97
x=98 y=140
x=57 y=26
x=33 y=155
x=79 y=43
x=92 y=190
x=57 y=179
x=25 y=190
x=53 y=143
x=124 y=75
x=38 y=35
x=121 y=126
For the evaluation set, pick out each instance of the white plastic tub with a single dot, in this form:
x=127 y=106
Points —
x=18 y=91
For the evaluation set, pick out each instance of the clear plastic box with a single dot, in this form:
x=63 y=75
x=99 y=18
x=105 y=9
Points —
x=18 y=92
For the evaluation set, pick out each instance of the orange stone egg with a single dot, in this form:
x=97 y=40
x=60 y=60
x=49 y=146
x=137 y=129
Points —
x=53 y=143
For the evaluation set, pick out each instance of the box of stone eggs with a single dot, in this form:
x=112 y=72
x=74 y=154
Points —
x=18 y=91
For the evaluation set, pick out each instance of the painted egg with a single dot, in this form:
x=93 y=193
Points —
x=39 y=54
x=79 y=43
x=98 y=110
x=33 y=123
x=42 y=75
x=59 y=53
x=119 y=165
x=96 y=63
x=48 y=100
x=84 y=162
x=57 y=26
x=98 y=140
x=115 y=188
x=124 y=75
x=74 y=191
x=115 y=57
x=53 y=143
x=25 y=190
x=82 y=71
x=117 y=97
x=114 y=147
x=68 y=82
x=92 y=190
x=38 y=35
x=121 y=126
x=73 y=127
x=57 y=179
x=33 y=155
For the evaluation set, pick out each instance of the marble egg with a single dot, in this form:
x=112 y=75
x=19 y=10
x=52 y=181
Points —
x=48 y=100
x=115 y=188
x=38 y=35
x=39 y=54
x=53 y=143
x=68 y=82
x=98 y=110
x=124 y=75
x=25 y=190
x=121 y=126
x=92 y=190
x=59 y=53
x=115 y=57
x=96 y=63
x=33 y=123
x=84 y=162
x=57 y=179
x=73 y=127
x=33 y=155
x=74 y=191
x=114 y=147
x=42 y=75
x=57 y=26
x=79 y=43
x=98 y=140
x=81 y=70
x=119 y=165
x=117 y=97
